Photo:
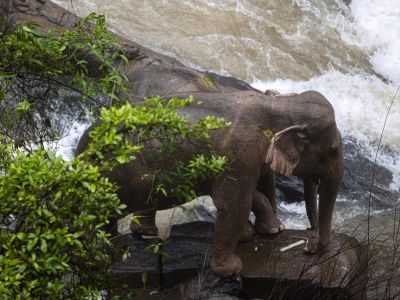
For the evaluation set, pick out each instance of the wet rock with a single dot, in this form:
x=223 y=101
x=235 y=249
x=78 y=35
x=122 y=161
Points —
x=290 y=189
x=187 y=252
x=202 y=287
x=44 y=13
x=207 y=286
x=358 y=173
x=268 y=273
x=347 y=2
x=141 y=262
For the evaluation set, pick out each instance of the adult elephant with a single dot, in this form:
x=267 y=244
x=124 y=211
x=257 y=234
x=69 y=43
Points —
x=305 y=142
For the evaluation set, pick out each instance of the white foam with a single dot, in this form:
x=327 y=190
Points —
x=378 y=27
x=66 y=146
x=293 y=215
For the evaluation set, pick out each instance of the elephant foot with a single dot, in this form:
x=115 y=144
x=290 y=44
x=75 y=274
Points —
x=314 y=246
x=247 y=234
x=271 y=226
x=226 y=265
x=144 y=229
x=315 y=229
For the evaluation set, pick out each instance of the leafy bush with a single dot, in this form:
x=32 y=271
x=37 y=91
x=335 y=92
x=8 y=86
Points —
x=39 y=72
x=53 y=212
x=54 y=243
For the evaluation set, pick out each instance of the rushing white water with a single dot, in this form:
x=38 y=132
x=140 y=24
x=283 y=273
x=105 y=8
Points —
x=288 y=45
x=378 y=25
x=66 y=146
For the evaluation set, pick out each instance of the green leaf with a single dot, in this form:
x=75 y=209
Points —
x=43 y=246
x=32 y=243
x=23 y=106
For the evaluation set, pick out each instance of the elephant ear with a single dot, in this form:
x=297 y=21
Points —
x=285 y=149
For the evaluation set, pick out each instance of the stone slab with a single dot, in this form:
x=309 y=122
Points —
x=187 y=252
x=268 y=272
x=141 y=260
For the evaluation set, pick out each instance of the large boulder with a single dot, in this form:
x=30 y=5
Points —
x=268 y=272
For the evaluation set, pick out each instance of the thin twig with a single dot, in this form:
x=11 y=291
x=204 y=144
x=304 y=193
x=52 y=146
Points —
x=373 y=170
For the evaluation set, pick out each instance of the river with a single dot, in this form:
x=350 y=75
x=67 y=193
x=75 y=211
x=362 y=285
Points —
x=348 y=52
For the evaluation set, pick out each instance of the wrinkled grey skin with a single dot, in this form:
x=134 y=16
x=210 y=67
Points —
x=306 y=143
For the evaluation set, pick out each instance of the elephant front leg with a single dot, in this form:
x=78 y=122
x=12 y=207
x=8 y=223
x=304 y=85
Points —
x=232 y=199
x=327 y=197
x=310 y=195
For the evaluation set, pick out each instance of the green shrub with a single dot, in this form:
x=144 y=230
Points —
x=53 y=212
x=55 y=244
x=39 y=71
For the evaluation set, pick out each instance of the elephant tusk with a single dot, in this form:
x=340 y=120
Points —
x=292 y=245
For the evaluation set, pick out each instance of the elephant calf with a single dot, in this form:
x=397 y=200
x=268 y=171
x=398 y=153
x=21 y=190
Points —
x=306 y=142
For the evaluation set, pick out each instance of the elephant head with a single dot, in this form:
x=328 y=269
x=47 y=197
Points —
x=307 y=144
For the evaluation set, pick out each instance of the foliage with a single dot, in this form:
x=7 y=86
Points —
x=53 y=213
x=40 y=74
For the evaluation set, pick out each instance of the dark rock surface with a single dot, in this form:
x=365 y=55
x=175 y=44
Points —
x=207 y=286
x=289 y=189
x=141 y=260
x=357 y=178
x=267 y=272
x=187 y=252
x=347 y=2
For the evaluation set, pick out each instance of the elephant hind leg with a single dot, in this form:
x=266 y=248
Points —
x=144 y=223
x=266 y=220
